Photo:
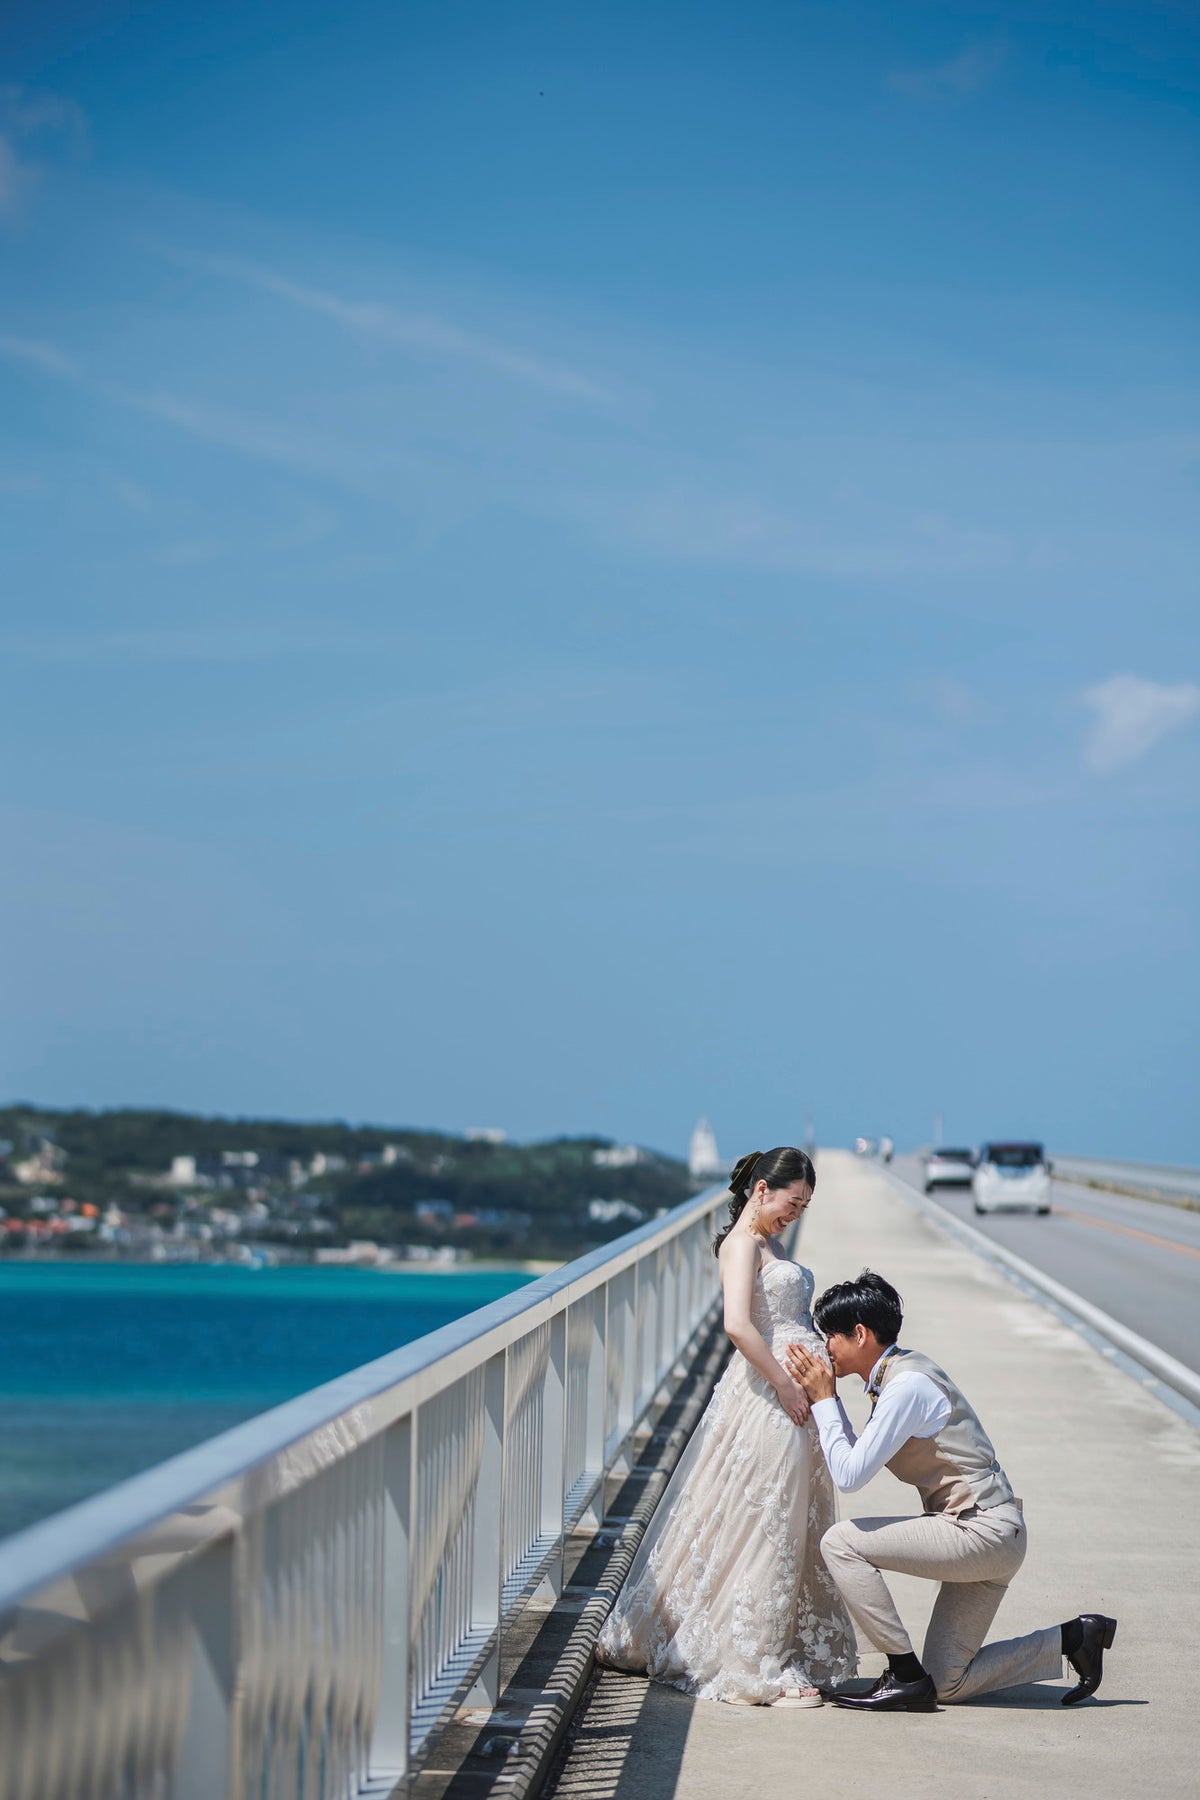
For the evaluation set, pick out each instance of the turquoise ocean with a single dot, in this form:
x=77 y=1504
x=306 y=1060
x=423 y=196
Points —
x=108 y=1369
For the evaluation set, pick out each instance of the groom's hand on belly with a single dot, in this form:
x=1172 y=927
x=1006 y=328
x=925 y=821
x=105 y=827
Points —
x=812 y=1374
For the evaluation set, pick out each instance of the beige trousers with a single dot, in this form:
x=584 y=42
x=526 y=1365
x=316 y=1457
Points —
x=974 y=1557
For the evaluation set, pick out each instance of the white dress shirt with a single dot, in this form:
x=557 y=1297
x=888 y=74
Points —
x=911 y=1405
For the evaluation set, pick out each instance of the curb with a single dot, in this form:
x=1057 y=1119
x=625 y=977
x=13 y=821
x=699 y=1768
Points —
x=1173 y=1380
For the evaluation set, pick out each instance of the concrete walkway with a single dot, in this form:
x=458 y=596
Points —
x=1111 y=1484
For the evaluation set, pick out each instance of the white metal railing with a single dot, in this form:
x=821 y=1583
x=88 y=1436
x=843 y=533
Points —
x=290 y=1611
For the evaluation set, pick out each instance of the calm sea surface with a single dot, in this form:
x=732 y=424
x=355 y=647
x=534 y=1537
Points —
x=107 y=1370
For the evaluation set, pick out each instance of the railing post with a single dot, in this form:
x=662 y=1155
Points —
x=668 y=1316
x=390 y=1739
x=693 y=1239
x=209 y=1760
x=626 y=1406
x=554 y=1452
x=620 y=1366
x=597 y=1403
x=487 y=1551
x=648 y=1301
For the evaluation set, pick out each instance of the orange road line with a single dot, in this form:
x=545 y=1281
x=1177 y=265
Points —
x=1147 y=1237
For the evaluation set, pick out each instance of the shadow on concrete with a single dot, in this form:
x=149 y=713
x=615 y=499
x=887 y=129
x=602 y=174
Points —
x=1032 y=1696
x=1036 y=1696
x=626 y=1742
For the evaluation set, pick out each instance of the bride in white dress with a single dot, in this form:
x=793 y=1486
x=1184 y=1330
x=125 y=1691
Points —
x=728 y=1597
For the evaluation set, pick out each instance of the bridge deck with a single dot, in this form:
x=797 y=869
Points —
x=1109 y=1478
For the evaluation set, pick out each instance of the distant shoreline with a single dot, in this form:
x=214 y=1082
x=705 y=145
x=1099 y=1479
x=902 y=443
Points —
x=89 y=1260
x=483 y=1267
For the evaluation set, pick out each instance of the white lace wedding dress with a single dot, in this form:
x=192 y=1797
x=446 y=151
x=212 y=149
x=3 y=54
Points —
x=728 y=1597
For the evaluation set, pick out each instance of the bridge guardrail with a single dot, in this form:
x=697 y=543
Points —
x=1161 y=1181
x=294 y=1608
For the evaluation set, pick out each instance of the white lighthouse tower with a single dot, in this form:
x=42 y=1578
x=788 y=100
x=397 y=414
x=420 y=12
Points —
x=704 y=1159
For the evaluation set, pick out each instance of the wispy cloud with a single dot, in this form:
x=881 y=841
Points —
x=33 y=123
x=953 y=701
x=1132 y=714
x=186 y=555
x=35 y=112
x=215 y=643
x=13 y=179
x=743 y=531
x=964 y=73
x=23 y=484
x=38 y=354
x=419 y=331
x=131 y=494
x=277 y=443
x=249 y=434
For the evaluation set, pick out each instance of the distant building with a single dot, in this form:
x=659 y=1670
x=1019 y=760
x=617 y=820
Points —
x=486 y=1134
x=362 y=1253
x=272 y=1165
x=618 y=1156
x=43 y=1166
x=385 y=1158
x=704 y=1159
x=604 y=1212
x=232 y=1169
x=491 y=1218
x=323 y=1162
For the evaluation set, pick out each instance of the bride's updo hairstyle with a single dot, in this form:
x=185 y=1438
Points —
x=779 y=1168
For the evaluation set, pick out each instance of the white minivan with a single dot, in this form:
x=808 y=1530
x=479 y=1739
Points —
x=1012 y=1178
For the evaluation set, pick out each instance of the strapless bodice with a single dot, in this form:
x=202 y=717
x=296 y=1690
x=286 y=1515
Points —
x=782 y=1299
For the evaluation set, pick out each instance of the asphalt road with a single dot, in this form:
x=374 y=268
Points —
x=1139 y=1260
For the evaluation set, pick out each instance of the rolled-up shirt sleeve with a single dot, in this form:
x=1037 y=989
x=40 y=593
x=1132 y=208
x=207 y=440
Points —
x=909 y=1406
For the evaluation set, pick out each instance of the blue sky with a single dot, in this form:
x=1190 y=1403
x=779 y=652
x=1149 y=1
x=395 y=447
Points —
x=569 y=567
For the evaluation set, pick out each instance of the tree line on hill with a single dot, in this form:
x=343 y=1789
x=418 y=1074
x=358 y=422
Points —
x=429 y=1189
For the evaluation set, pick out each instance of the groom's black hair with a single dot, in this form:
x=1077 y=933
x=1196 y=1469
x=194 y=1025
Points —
x=869 y=1301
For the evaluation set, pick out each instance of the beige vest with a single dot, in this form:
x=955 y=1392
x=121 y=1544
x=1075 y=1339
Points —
x=956 y=1468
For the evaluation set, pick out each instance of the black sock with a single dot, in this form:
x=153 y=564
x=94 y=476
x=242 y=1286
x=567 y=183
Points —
x=1072 y=1636
x=906 y=1668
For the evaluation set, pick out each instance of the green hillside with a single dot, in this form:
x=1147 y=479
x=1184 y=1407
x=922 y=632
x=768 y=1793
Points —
x=306 y=1185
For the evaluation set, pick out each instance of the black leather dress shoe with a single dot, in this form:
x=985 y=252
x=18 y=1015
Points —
x=890 y=1695
x=1088 y=1660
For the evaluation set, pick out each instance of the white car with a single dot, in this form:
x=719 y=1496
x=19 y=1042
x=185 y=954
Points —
x=949 y=1168
x=1012 y=1178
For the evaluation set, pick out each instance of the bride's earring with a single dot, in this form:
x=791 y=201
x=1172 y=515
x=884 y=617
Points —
x=755 y=1209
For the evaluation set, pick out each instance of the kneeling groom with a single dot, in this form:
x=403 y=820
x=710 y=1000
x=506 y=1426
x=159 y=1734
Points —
x=971 y=1536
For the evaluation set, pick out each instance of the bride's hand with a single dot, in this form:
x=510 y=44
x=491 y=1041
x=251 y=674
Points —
x=793 y=1399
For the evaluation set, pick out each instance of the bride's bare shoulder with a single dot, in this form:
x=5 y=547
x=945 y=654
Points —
x=738 y=1251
